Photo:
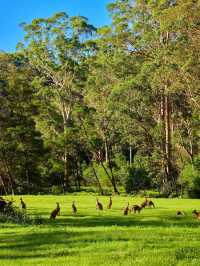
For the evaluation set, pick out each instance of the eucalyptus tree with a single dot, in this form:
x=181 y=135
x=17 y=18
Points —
x=56 y=48
x=115 y=94
x=158 y=34
x=101 y=80
x=21 y=145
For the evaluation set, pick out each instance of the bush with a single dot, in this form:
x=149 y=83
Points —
x=137 y=180
x=10 y=213
x=103 y=178
x=190 y=179
x=56 y=190
x=194 y=192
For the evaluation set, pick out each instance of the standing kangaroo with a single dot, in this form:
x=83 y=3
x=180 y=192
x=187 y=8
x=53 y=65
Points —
x=110 y=203
x=99 y=206
x=55 y=212
x=74 y=209
x=23 y=204
x=126 y=209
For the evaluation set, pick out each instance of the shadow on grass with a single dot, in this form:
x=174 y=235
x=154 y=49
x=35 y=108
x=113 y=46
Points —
x=101 y=220
x=137 y=220
x=47 y=242
x=53 y=239
x=52 y=244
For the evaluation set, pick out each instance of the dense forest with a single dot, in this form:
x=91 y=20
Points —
x=114 y=109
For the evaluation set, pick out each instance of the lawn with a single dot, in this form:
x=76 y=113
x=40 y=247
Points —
x=154 y=237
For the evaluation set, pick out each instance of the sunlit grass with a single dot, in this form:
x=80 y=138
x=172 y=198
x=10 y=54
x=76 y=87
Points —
x=154 y=237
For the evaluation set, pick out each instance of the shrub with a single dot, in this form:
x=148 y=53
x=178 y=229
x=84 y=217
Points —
x=56 y=190
x=190 y=179
x=137 y=180
x=10 y=213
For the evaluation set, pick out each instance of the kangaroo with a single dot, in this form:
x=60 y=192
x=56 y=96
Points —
x=110 y=203
x=150 y=204
x=197 y=214
x=23 y=204
x=180 y=213
x=126 y=210
x=144 y=203
x=74 y=209
x=55 y=212
x=99 y=206
x=137 y=208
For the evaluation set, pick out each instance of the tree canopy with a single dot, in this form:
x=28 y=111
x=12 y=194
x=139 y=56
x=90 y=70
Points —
x=115 y=108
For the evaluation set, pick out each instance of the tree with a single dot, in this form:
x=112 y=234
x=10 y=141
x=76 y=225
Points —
x=21 y=145
x=156 y=33
x=56 y=49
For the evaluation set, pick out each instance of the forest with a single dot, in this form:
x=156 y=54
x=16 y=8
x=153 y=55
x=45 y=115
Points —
x=114 y=109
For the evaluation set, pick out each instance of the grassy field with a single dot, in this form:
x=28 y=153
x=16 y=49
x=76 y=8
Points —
x=154 y=237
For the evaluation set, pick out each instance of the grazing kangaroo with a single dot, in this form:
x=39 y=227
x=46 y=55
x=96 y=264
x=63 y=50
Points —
x=180 y=213
x=144 y=203
x=197 y=214
x=55 y=212
x=110 y=203
x=137 y=208
x=126 y=210
x=150 y=204
x=99 y=206
x=23 y=204
x=74 y=209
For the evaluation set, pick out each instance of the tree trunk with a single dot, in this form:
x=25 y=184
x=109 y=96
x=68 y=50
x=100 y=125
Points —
x=130 y=156
x=65 y=115
x=28 y=182
x=110 y=178
x=168 y=179
x=113 y=180
x=3 y=185
x=98 y=182
x=10 y=178
x=79 y=174
x=27 y=173
x=66 y=177
x=106 y=152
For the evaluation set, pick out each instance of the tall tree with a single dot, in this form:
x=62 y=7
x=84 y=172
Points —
x=56 y=49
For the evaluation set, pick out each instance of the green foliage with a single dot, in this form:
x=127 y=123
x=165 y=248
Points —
x=21 y=144
x=79 y=105
x=137 y=180
x=11 y=214
x=56 y=190
x=190 y=179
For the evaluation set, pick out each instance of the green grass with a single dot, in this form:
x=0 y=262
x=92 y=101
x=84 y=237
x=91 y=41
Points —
x=154 y=237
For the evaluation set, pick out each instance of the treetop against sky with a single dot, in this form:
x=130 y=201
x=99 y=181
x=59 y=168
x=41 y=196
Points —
x=14 y=12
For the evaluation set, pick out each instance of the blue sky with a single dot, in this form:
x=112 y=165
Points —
x=13 y=12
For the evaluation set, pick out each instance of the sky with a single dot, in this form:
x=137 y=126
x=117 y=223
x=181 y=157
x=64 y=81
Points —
x=14 y=12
